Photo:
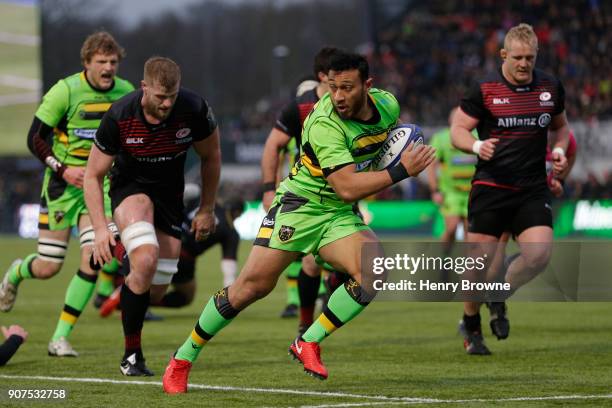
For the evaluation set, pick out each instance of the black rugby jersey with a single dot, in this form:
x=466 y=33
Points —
x=293 y=115
x=519 y=117
x=153 y=154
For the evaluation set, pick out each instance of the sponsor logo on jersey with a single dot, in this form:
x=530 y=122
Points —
x=363 y=165
x=85 y=133
x=285 y=233
x=183 y=133
x=134 y=140
x=544 y=120
x=513 y=121
x=545 y=96
x=501 y=101
x=267 y=222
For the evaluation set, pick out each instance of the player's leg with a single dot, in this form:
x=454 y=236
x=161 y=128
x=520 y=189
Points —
x=134 y=217
x=183 y=284
x=536 y=250
x=43 y=264
x=54 y=225
x=106 y=282
x=257 y=278
x=78 y=293
x=345 y=303
x=292 y=274
x=309 y=281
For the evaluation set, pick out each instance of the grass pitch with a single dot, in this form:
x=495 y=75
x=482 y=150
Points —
x=392 y=354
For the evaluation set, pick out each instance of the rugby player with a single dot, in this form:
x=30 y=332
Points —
x=69 y=114
x=513 y=110
x=312 y=212
x=145 y=137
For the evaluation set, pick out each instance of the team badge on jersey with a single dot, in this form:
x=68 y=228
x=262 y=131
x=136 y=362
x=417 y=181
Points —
x=59 y=215
x=285 y=233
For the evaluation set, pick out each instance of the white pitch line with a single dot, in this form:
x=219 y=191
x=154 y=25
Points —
x=414 y=401
x=19 y=99
x=19 y=39
x=17 y=81
x=215 y=387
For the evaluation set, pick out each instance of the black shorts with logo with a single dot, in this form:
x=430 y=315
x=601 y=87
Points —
x=168 y=207
x=492 y=210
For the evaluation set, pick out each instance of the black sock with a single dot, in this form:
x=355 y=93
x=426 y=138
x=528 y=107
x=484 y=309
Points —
x=133 y=309
x=308 y=290
x=472 y=323
x=173 y=299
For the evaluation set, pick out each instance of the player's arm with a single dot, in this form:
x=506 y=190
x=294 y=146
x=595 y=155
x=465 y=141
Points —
x=352 y=186
x=49 y=114
x=209 y=151
x=98 y=165
x=560 y=139
x=277 y=140
x=462 y=138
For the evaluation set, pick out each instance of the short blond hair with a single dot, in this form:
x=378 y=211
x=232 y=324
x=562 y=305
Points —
x=522 y=33
x=162 y=70
x=100 y=42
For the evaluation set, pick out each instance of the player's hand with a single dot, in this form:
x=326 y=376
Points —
x=103 y=241
x=203 y=224
x=559 y=163
x=487 y=149
x=556 y=188
x=74 y=176
x=437 y=197
x=416 y=159
x=14 y=330
x=267 y=199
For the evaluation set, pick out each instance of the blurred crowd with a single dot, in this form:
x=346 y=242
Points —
x=428 y=55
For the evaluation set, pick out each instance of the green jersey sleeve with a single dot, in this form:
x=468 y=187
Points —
x=329 y=145
x=55 y=104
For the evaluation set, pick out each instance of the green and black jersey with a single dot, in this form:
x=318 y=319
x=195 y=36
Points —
x=74 y=109
x=330 y=143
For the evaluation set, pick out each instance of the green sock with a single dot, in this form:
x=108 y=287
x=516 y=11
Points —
x=22 y=270
x=292 y=272
x=106 y=278
x=217 y=314
x=79 y=292
x=342 y=307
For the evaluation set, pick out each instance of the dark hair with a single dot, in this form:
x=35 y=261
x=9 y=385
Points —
x=321 y=60
x=345 y=61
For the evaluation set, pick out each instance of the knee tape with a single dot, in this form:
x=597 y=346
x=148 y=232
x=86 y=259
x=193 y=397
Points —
x=86 y=237
x=138 y=234
x=52 y=250
x=166 y=268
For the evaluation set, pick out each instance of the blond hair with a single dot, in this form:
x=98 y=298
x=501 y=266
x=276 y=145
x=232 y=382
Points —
x=162 y=70
x=522 y=33
x=100 y=42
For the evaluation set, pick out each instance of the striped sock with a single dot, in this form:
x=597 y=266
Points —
x=79 y=292
x=217 y=314
x=106 y=278
x=344 y=304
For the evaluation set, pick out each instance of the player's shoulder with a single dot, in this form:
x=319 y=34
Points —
x=123 y=84
x=544 y=78
x=189 y=101
x=307 y=97
x=382 y=96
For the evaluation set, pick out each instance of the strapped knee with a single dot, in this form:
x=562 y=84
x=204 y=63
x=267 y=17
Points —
x=52 y=250
x=166 y=268
x=86 y=237
x=138 y=234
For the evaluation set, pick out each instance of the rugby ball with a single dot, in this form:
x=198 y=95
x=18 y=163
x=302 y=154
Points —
x=398 y=139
